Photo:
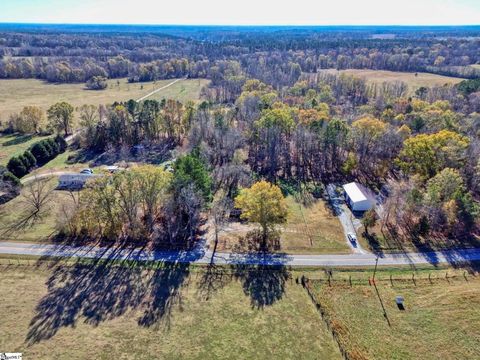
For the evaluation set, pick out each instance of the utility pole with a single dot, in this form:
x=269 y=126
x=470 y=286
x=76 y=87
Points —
x=375 y=271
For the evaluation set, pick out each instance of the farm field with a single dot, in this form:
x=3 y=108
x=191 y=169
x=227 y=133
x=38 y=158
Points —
x=15 y=94
x=414 y=82
x=183 y=91
x=104 y=312
x=440 y=319
x=310 y=229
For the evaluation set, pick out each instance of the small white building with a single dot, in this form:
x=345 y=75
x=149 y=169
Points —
x=357 y=197
x=73 y=181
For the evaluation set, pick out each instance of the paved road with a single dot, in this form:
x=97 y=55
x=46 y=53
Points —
x=201 y=256
x=45 y=175
x=159 y=89
x=345 y=217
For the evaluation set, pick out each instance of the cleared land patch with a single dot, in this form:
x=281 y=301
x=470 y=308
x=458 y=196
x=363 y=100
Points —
x=412 y=80
x=15 y=94
x=311 y=229
x=169 y=312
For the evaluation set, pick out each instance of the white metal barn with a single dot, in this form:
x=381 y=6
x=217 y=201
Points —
x=357 y=197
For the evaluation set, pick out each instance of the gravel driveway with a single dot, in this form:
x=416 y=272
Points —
x=348 y=221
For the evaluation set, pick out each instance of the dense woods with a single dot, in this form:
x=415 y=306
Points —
x=267 y=114
x=274 y=55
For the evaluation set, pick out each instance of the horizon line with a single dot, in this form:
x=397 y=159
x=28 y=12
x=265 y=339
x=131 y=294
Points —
x=236 y=25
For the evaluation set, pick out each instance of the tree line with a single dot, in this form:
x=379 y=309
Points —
x=73 y=57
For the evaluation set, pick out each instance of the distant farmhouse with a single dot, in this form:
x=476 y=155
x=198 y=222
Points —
x=73 y=181
x=358 y=197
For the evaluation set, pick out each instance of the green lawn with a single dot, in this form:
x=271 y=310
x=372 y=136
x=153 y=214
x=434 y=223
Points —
x=14 y=210
x=14 y=145
x=88 y=312
x=61 y=163
x=440 y=321
x=182 y=91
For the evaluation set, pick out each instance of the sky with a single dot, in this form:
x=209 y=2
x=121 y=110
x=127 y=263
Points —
x=244 y=12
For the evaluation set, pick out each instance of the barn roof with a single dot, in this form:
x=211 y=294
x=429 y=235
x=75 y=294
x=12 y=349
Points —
x=355 y=192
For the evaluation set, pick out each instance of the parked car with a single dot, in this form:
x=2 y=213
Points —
x=352 y=238
x=87 y=171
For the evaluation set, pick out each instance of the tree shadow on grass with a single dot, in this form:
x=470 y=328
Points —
x=265 y=285
x=213 y=279
x=374 y=243
x=18 y=139
x=261 y=272
x=104 y=290
x=162 y=293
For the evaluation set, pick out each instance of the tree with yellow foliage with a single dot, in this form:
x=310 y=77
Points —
x=427 y=154
x=263 y=203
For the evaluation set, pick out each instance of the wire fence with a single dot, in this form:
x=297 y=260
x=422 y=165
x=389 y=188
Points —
x=392 y=279
x=337 y=333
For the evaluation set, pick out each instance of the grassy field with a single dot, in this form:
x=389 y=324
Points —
x=61 y=163
x=309 y=229
x=14 y=145
x=15 y=94
x=93 y=312
x=414 y=82
x=440 y=321
x=14 y=210
x=182 y=91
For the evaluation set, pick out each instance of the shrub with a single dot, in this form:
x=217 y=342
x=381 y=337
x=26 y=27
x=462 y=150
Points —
x=9 y=177
x=97 y=83
x=47 y=149
x=32 y=162
x=51 y=147
x=25 y=161
x=16 y=167
x=40 y=152
x=55 y=147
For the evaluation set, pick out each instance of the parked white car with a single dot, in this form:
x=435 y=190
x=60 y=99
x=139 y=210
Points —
x=352 y=238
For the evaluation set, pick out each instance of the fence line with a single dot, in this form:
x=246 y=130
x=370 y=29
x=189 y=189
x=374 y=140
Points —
x=414 y=279
x=306 y=284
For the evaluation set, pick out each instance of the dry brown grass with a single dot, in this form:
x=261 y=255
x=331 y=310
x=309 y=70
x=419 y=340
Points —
x=440 y=319
x=309 y=229
x=96 y=316
x=15 y=94
x=412 y=80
